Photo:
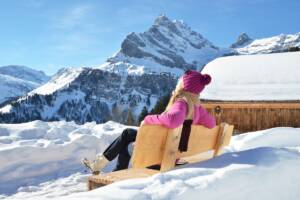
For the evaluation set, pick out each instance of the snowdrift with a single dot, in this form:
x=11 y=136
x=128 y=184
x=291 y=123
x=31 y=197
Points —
x=274 y=77
x=41 y=160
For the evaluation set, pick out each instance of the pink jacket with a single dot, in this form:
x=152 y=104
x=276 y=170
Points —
x=177 y=114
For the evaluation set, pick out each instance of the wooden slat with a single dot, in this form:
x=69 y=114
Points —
x=228 y=134
x=253 y=116
x=219 y=140
x=149 y=146
x=201 y=139
x=108 y=178
x=171 y=148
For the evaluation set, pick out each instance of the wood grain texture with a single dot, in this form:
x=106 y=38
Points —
x=171 y=148
x=253 y=116
x=100 y=180
x=149 y=146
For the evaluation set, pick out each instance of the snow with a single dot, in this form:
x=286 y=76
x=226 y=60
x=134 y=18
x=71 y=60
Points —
x=17 y=80
x=24 y=73
x=40 y=160
x=143 y=66
x=254 y=77
x=12 y=87
x=271 y=44
x=138 y=67
x=50 y=111
x=6 y=109
x=51 y=150
x=60 y=80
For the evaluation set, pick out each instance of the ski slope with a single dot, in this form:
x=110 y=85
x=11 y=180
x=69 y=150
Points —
x=40 y=160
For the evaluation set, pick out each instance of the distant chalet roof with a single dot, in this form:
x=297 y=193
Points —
x=263 y=77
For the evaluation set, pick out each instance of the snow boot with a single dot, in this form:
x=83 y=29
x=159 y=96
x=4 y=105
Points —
x=180 y=161
x=97 y=165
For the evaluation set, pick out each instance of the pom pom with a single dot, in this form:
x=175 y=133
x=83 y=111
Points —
x=188 y=72
x=205 y=79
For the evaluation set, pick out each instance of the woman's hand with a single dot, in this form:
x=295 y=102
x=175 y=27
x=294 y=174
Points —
x=142 y=123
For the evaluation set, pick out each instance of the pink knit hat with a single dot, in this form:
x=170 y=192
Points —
x=194 y=81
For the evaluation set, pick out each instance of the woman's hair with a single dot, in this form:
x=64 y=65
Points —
x=190 y=98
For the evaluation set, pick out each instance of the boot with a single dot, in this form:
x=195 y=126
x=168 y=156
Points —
x=97 y=165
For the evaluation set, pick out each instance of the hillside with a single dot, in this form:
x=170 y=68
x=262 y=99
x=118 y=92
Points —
x=18 y=80
x=52 y=168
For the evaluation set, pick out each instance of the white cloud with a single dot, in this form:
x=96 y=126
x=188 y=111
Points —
x=71 y=29
x=73 y=17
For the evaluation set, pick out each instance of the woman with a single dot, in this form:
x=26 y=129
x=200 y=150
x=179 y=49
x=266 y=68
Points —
x=184 y=105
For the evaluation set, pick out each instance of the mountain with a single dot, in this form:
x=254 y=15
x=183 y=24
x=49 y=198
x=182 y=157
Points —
x=168 y=46
x=242 y=40
x=276 y=44
x=145 y=68
x=24 y=73
x=17 y=80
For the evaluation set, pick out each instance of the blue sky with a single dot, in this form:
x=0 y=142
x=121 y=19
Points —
x=50 y=34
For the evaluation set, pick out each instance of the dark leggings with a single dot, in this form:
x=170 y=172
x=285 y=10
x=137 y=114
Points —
x=119 y=147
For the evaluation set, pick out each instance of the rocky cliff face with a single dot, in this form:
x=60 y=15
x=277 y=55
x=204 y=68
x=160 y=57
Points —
x=241 y=41
x=168 y=46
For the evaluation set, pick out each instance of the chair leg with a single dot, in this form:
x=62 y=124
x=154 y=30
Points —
x=220 y=139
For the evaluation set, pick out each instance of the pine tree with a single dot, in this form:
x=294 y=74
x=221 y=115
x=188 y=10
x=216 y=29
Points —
x=161 y=104
x=148 y=102
x=130 y=120
x=115 y=111
x=292 y=49
x=143 y=114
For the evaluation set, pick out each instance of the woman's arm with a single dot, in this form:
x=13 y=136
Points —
x=172 y=118
x=206 y=119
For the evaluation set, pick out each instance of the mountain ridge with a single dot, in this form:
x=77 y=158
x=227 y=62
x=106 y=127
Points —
x=16 y=80
x=274 y=44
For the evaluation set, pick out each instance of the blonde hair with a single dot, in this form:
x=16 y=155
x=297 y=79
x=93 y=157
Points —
x=190 y=98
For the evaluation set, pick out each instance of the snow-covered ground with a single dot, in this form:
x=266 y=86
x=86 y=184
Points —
x=254 y=77
x=60 y=80
x=41 y=160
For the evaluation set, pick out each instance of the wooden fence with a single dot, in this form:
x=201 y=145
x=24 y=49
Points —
x=252 y=116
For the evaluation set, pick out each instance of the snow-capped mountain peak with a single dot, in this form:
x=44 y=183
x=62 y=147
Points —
x=166 y=47
x=163 y=20
x=242 y=40
x=24 y=73
x=17 y=80
x=275 y=44
x=59 y=80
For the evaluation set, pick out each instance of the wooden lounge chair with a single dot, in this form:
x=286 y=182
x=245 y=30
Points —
x=158 y=145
